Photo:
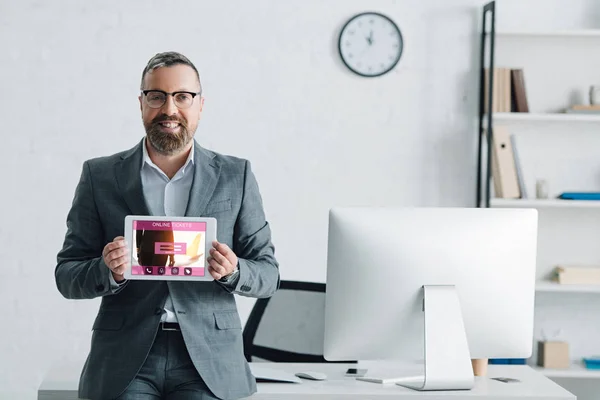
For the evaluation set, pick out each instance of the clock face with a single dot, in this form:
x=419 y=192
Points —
x=370 y=44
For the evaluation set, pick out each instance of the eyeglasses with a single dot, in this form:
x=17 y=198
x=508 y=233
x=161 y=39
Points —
x=157 y=98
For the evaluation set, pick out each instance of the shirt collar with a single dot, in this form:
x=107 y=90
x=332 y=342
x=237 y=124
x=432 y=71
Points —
x=147 y=160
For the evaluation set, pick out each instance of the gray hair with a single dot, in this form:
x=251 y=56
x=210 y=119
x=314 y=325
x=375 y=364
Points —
x=168 y=59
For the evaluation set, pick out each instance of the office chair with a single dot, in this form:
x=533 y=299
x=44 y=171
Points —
x=289 y=326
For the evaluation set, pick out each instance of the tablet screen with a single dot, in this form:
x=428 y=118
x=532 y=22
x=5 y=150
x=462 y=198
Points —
x=171 y=248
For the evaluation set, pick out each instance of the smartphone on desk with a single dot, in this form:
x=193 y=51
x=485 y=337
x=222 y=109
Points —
x=356 y=372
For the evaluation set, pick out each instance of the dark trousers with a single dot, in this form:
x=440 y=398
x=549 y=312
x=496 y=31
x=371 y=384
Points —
x=168 y=373
x=146 y=259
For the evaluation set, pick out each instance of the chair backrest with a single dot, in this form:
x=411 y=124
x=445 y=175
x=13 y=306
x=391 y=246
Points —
x=289 y=326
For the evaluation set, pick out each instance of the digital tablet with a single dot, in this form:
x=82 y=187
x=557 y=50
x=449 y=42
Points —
x=169 y=248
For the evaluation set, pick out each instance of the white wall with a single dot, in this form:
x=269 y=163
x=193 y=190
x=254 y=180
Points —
x=276 y=93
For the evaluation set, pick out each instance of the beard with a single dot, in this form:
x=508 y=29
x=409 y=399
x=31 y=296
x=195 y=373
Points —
x=167 y=143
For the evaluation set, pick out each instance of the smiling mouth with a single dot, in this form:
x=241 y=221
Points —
x=169 y=125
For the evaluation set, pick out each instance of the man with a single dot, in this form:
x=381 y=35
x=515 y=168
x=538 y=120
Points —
x=173 y=340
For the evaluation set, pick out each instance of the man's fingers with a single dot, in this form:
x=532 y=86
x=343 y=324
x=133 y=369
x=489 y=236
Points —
x=222 y=261
x=117 y=262
x=218 y=268
x=224 y=250
x=213 y=273
x=114 y=254
x=114 y=246
x=221 y=248
x=120 y=270
x=220 y=258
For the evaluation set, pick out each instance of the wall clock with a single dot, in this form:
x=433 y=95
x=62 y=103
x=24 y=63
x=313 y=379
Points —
x=370 y=44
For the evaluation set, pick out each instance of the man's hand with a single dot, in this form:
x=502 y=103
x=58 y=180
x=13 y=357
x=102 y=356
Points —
x=222 y=260
x=116 y=258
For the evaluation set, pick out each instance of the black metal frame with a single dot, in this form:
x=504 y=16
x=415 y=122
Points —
x=488 y=8
x=277 y=355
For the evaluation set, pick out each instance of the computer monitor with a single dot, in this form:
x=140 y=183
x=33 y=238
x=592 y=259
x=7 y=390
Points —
x=437 y=285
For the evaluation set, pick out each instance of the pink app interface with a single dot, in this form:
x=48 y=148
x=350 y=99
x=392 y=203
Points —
x=172 y=248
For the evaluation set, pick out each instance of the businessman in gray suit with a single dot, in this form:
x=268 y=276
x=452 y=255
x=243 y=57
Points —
x=154 y=339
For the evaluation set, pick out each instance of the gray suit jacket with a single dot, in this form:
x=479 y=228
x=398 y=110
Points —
x=110 y=188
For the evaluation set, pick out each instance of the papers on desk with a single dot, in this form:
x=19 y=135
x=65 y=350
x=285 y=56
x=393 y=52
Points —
x=416 y=379
x=264 y=374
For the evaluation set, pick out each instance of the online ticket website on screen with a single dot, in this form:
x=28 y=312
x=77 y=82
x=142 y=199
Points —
x=172 y=248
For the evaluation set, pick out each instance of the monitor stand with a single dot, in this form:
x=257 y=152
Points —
x=447 y=358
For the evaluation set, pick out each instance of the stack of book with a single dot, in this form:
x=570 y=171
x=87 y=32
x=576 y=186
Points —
x=577 y=275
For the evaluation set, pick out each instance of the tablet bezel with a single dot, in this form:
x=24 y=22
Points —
x=211 y=235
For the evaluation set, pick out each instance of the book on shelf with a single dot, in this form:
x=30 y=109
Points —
x=577 y=274
x=579 y=196
x=505 y=171
x=509 y=94
x=591 y=362
x=507 y=361
x=518 y=93
x=518 y=167
x=584 y=109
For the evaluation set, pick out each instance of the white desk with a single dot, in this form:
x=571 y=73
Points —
x=61 y=384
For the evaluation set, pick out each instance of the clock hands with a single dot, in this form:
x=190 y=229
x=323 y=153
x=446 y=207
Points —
x=370 y=38
x=369 y=41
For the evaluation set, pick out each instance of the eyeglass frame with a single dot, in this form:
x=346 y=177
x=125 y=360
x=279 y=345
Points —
x=172 y=94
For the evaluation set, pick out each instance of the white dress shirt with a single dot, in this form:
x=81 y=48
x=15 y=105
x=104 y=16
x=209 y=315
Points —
x=167 y=197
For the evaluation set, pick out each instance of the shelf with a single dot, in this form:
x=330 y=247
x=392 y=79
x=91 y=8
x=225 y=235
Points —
x=551 y=34
x=546 y=203
x=548 y=286
x=577 y=370
x=543 y=117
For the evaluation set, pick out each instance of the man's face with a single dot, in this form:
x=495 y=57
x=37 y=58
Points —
x=170 y=129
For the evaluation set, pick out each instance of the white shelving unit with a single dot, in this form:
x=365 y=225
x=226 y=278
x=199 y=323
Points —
x=500 y=118
x=551 y=34
x=543 y=203
x=577 y=370
x=563 y=149
x=549 y=286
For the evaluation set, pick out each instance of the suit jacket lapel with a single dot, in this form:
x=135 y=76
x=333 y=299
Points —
x=206 y=176
x=129 y=180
